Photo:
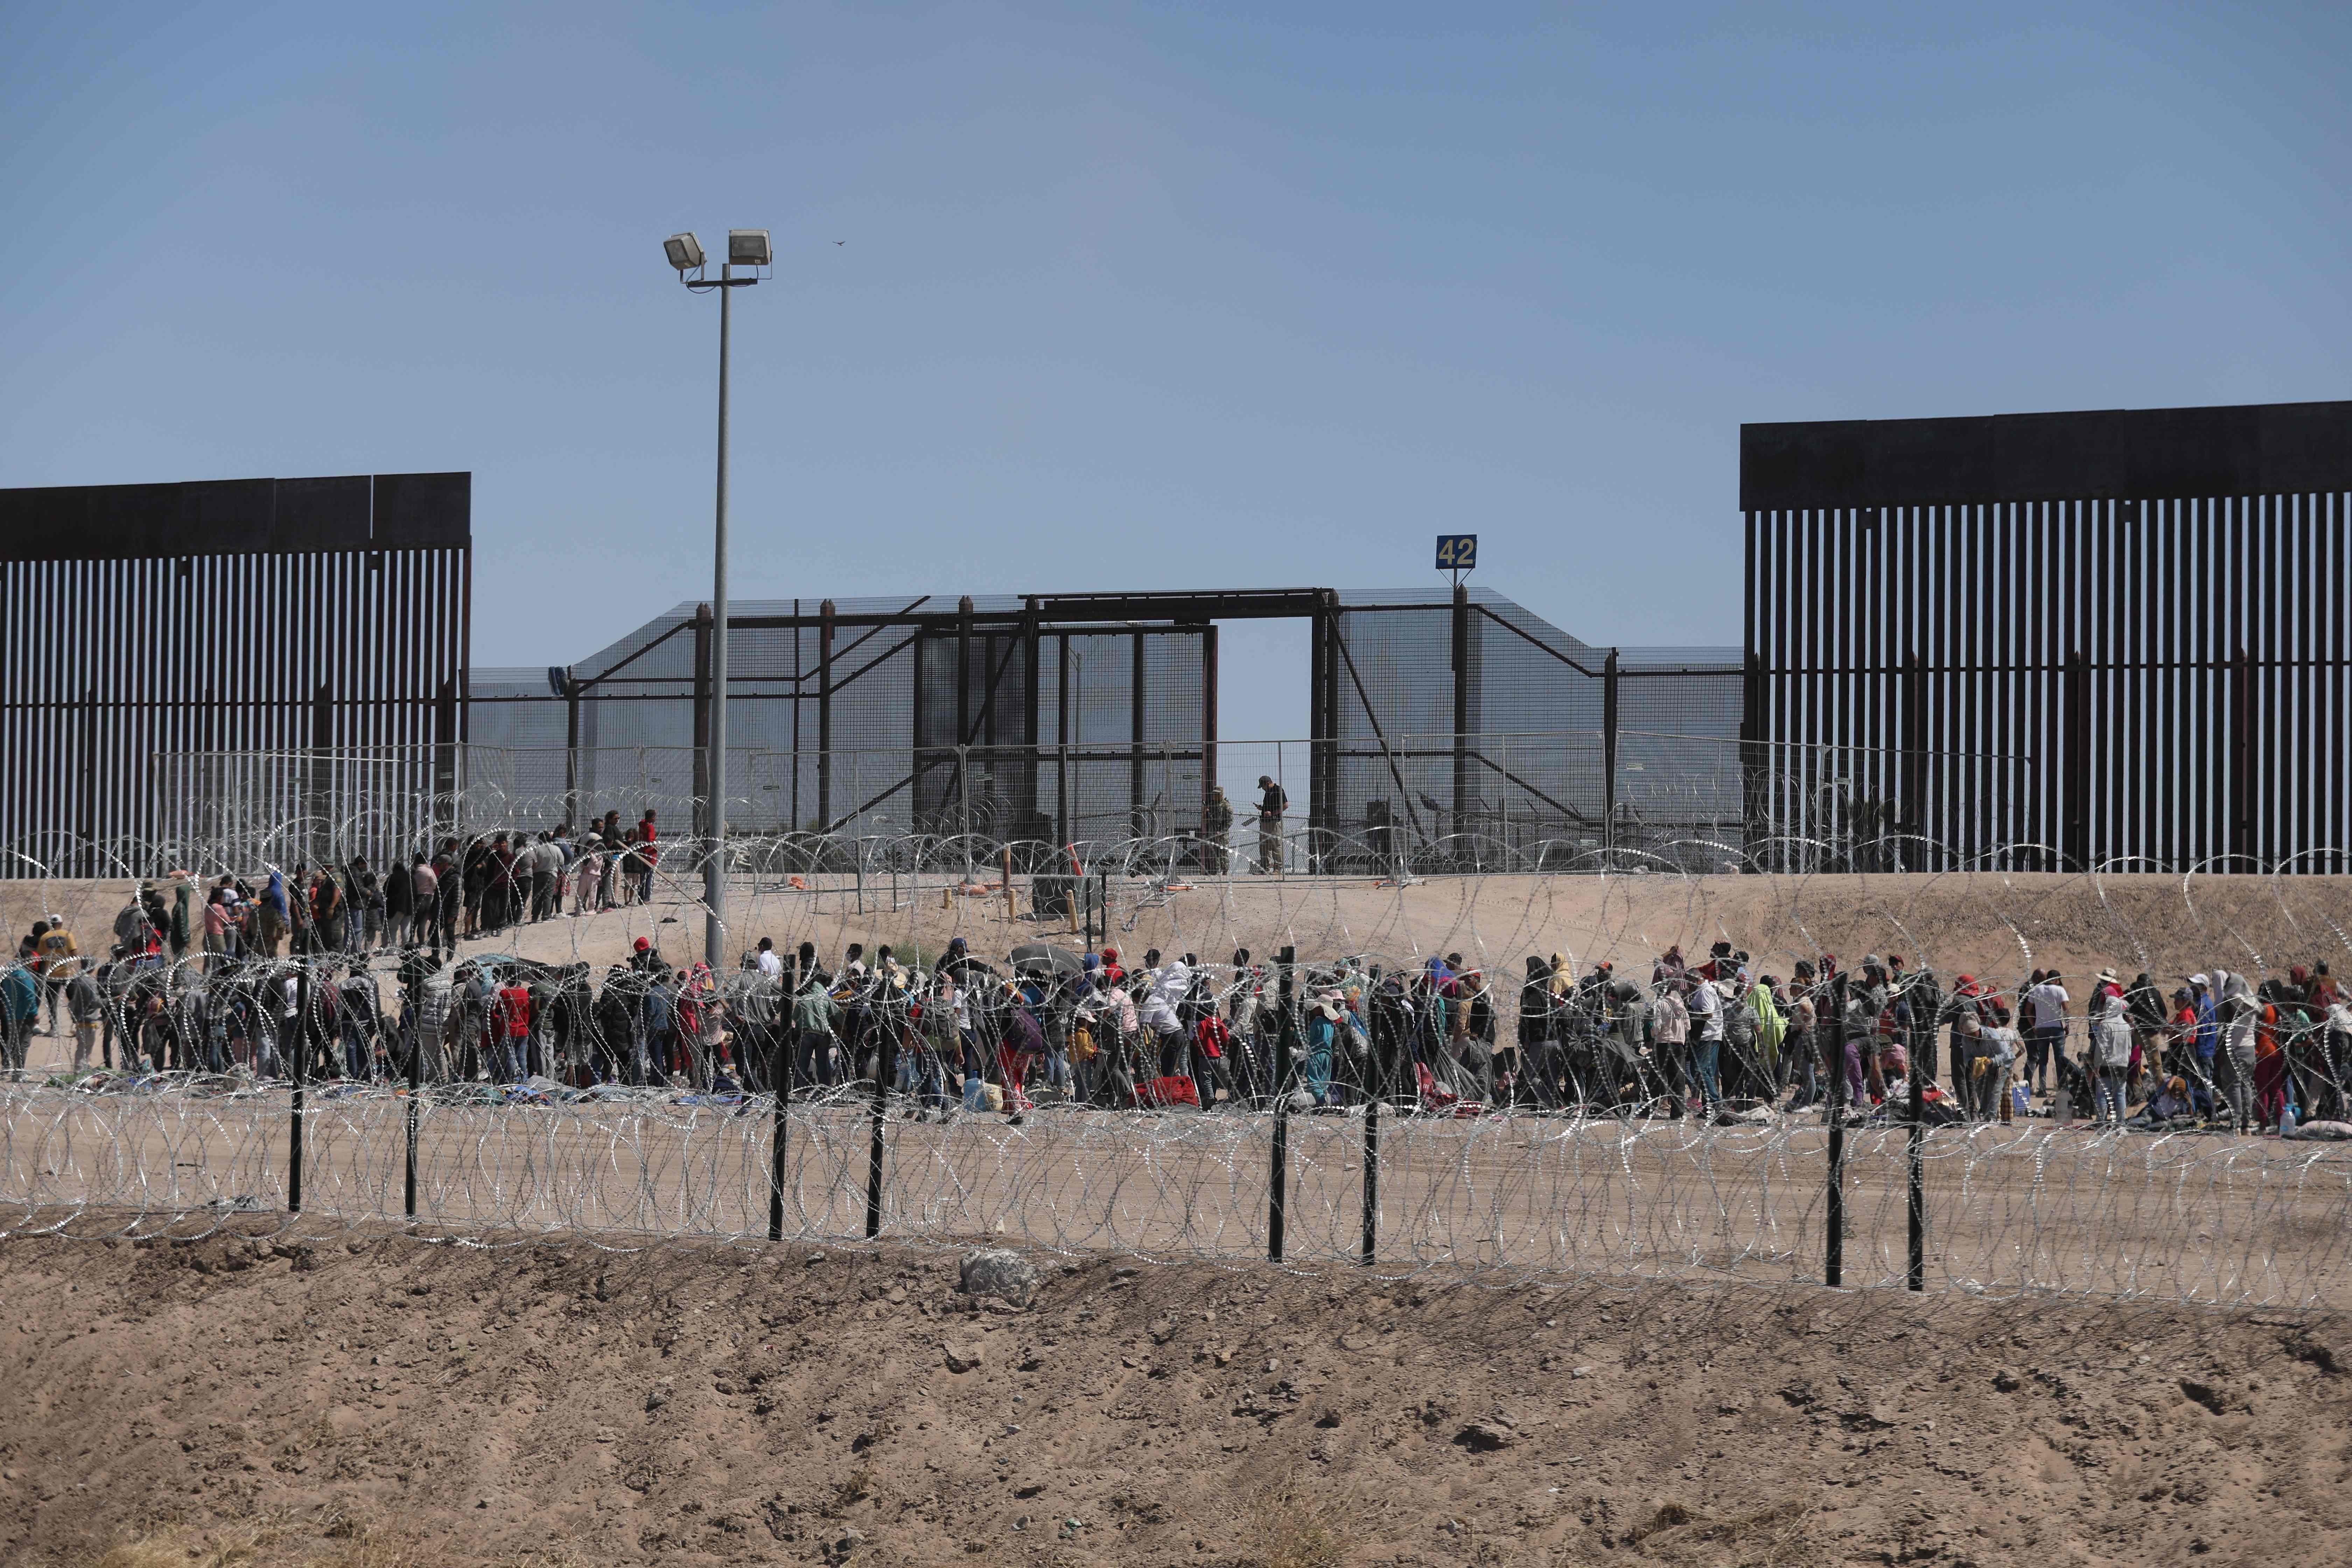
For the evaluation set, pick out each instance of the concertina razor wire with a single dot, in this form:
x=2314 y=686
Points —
x=1593 y=1151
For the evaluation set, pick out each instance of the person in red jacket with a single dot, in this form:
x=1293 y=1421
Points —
x=645 y=857
x=510 y=1018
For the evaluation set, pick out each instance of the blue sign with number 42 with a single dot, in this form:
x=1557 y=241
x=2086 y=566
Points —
x=1457 y=552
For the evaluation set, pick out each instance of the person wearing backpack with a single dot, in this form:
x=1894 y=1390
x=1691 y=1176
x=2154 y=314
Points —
x=359 y=1011
x=1271 y=804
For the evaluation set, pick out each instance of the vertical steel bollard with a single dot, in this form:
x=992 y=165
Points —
x=301 y=1050
x=1278 y=1176
x=1834 y=1260
x=415 y=1087
x=886 y=1065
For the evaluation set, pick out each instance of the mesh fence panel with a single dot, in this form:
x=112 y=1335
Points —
x=1469 y=736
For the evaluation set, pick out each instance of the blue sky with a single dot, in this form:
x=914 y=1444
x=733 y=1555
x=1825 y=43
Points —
x=1139 y=296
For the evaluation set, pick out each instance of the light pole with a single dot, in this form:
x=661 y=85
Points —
x=745 y=247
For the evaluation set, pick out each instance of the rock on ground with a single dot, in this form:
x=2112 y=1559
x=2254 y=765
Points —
x=997 y=1272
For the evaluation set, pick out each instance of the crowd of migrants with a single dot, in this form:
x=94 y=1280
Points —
x=234 y=979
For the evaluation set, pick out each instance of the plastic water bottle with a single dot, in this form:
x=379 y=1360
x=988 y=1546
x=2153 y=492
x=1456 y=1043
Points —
x=2286 y=1120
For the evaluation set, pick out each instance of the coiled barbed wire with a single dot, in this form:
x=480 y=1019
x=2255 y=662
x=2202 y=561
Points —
x=1502 y=1198
x=1616 y=1182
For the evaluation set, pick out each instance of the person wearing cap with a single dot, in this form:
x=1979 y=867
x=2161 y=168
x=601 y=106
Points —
x=1217 y=831
x=60 y=961
x=1272 y=801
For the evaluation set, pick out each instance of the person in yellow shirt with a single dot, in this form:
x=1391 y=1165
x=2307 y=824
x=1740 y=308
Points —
x=60 y=962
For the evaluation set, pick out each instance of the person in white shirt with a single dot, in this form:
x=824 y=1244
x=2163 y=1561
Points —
x=2047 y=1032
x=1165 y=986
x=1705 y=1004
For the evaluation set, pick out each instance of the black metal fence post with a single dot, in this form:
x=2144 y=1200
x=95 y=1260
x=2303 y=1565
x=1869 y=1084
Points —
x=1834 y=1260
x=782 y=1064
x=415 y=1088
x=1373 y=1158
x=885 y=1065
x=299 y=1050
x=1277 y=1199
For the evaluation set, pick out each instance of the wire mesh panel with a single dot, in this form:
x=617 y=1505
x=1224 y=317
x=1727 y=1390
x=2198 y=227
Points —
x=237 y=811
x=862 y=718
x=1471 y=734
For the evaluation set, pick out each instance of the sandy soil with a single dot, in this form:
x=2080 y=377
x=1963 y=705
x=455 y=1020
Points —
x=381 y=1401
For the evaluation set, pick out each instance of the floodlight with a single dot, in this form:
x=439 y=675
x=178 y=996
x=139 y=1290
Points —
x=747 y=248
x=685 y=252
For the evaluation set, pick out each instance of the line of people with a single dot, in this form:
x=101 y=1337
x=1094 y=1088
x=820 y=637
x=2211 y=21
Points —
x=1712 y=1037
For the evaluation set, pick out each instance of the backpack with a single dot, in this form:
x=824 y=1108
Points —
x=1738 y=1023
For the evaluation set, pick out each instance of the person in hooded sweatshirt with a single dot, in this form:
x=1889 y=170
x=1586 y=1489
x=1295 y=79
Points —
x=2237 y=1014
x=276 y=914
x=1166 y=987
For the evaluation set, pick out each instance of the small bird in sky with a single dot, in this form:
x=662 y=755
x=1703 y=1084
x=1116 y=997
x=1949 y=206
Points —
x=840 y=242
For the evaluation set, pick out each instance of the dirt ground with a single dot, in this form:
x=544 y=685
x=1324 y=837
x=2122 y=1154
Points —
x=381 y=1401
